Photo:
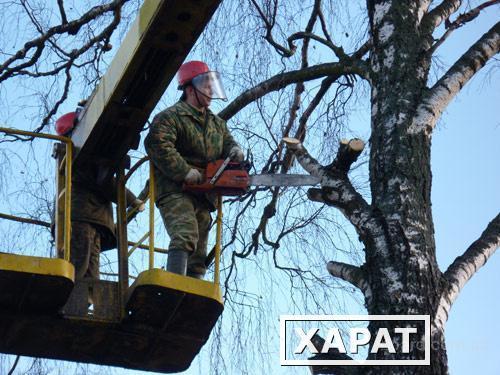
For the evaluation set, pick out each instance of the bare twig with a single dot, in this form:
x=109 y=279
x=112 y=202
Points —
x=60 y=4
x=25 y=220
x=269 y=24
x=36 y=46
x=282 y=80
x=14 y=365
x=461 y=20
x=336 y=189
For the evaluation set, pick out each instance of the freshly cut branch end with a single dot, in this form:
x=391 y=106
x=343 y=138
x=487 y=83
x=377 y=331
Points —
x=316 y=195
x=347 y=154
x=291 y=143
x=356 y=145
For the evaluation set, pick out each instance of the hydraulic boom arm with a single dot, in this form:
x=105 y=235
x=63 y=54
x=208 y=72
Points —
x=155 y=46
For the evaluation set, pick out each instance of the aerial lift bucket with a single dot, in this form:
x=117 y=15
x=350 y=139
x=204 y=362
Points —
x=34 y=284
x=37 y=284
x=183 y=309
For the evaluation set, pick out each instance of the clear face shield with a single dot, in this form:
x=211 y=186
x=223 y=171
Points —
x=210 y=85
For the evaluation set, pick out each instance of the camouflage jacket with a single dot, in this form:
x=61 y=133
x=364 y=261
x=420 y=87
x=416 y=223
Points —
x=91 y=202
x=180 y=138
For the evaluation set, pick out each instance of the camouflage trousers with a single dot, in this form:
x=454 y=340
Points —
x=85 y=249
x=187 y=220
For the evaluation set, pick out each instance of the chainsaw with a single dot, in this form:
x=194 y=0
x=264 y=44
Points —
x=229 y=178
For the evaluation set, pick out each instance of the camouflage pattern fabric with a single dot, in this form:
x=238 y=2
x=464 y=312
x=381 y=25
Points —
x=91 y=202
x=85 y=249
x=187 y=220
x=181 y=138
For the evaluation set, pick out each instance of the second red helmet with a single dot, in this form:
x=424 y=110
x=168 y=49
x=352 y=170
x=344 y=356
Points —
x=65 y=123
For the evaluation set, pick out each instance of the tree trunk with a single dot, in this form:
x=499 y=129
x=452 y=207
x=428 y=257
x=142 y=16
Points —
x=401 y=264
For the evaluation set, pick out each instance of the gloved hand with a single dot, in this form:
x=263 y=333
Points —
x=236 y=154
x=138 y=205
x=193 y=176
x=134 y=208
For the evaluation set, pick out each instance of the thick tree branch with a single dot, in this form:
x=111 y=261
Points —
x=463 y=18
x=352 y=274
x=347 y=154
x=307 y=162
x=347 y=272
x=336 y=189
x=363 y=50
x=324 y=27
x=466 y=266
x=442 y=12
x=270 y=209
x=280 y=81
x=299 y=88
x=440 y=95
x=308 y=31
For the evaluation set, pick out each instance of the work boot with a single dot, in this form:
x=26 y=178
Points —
x=195 y=275
x=177 y=261
x=196 y=271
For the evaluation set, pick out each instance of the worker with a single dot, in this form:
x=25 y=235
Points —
x=92 y=226
x=181 y=141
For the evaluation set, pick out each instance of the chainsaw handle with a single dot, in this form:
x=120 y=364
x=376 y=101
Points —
x=217 y=174
x=222 y=177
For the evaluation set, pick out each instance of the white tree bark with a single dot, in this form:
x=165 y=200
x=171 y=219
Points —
x=336 y=189
x=440 y=95
x=442 y=12
x=466 y=266
x=353 y=275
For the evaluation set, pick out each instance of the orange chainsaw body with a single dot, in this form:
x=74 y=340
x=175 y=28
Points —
x=234 y=180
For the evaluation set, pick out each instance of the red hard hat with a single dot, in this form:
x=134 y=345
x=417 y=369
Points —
x=65 y=123
x=189 y=70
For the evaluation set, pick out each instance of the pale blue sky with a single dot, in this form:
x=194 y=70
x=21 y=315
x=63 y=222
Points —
x=466 y=196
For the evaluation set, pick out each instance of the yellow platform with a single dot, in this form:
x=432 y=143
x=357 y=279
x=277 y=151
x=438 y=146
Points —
x=34 y=284
x=165 y=330
x=183 y=309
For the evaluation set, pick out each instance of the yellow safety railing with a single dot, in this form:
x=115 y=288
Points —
x=67 y=182
x=150 y=233
x=218 y=240
x=151 y=216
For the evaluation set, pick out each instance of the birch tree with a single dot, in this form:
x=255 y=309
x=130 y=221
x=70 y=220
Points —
x=399 y=274
x=296 y=70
